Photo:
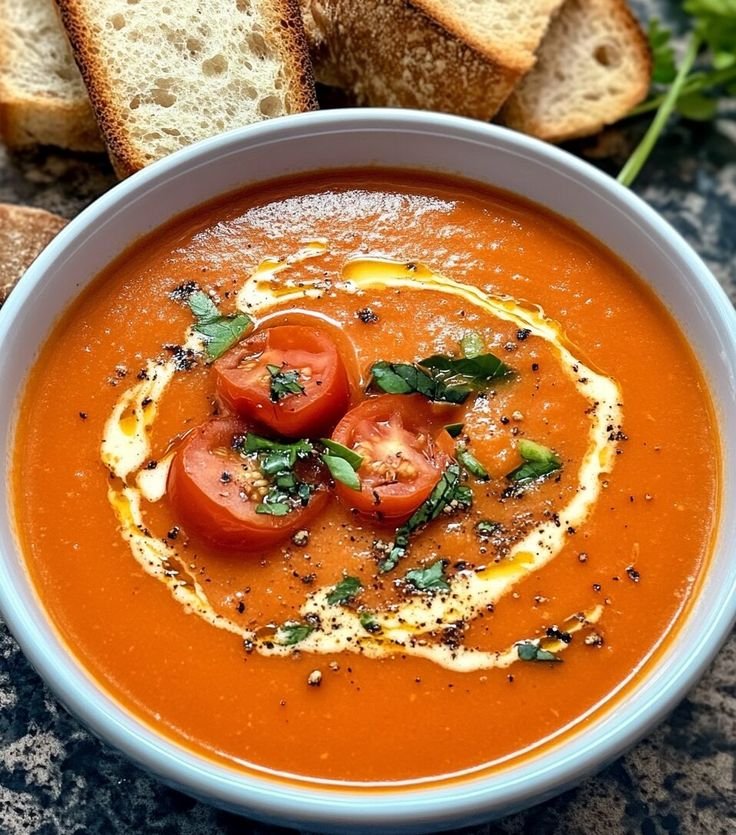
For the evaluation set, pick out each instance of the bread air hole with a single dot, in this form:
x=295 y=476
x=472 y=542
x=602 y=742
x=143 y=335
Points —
x=242 y=5
x=271 y=106
x=117 y=21
x=214 y=66
x=607 y=55
x=163 y=98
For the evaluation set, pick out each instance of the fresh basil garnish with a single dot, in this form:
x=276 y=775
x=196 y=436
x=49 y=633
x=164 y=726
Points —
x=530 y=651
x=219 y=332
x=342 y=463
x=428 y=579
x=283 y=383
x=469 y=462
x=439 y=378
x=293 y=632
x=454 y=429
x=485 y=528
x=369 y=622
x=276 y=461
x=448 y=492
x=539 y=462
x=347 y=589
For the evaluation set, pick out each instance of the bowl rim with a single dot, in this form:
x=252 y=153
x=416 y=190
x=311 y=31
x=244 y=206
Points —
x=466 y=799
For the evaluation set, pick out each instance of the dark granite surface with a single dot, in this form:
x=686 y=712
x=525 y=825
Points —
x=55 y=778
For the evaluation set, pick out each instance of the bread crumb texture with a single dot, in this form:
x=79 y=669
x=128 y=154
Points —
x=594 y=66
x=162 y=75
x=455 y=56
x=24 y=232
x=43 y=100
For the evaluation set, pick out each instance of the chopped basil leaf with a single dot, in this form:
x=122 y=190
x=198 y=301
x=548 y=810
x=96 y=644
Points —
x=539 y=462
x=344 y=591
x=439 y=378
x=448 y=492
x=469 y=462
x=472 y=344
x=276 y=461
x=454 y=429
x=341 y=471
x=292 y=632
x=342 y=463
x=472 y=371
x=297 y=449
x=283 y=383
x=273 y=508
x=529 y=651
x=369 y=623
x=428 y=579
x=341 y=451
x=219 y=332
x=486 y=528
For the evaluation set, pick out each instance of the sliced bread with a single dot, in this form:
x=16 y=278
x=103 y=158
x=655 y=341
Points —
x=593 y=66
x=162 y=74
x=24 y=232
x=43 y=100
x=457 y=56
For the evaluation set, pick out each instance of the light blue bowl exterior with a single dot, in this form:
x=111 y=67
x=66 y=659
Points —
x=404 y=139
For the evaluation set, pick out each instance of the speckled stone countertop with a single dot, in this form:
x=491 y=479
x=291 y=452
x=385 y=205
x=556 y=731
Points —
x=56 y=779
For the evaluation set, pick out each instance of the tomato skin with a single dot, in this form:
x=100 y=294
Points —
x=377 y=428
x=244 y=383
x=212 y=509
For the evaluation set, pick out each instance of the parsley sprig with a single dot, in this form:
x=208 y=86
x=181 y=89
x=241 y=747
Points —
x=283 y=383
x=691 y=91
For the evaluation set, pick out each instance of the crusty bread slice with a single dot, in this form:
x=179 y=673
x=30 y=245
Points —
x=594 y=65
x=24 y=232
x=42 y=97
x=457 y=56
x=164 y=73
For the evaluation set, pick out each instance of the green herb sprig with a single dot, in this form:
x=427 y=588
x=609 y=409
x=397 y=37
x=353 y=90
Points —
x=346 y=590
x=283 y=383
x=431 y=579
x=342 y=463
x=448 y=490
x=277 y=460
x=219 y=332
x=691 y=91
x=531 y=651
x=539 y=462
x=439 y=377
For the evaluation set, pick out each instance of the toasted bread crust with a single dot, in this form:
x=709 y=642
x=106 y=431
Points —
x=520 y=58
x=525 y=111
x=355 y=46
x=24 y=232
x=125 y=157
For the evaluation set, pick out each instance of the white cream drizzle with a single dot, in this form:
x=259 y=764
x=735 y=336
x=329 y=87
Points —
x=410 y=627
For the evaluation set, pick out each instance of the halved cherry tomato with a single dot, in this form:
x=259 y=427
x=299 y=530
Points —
x=215 y=491
x=401 y=461
x=254 y=379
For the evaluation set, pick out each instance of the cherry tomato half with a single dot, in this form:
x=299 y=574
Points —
x=214 y=491
x=289 y=378
x=401 y=462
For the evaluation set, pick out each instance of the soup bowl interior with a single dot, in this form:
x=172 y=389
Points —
x=345 y=139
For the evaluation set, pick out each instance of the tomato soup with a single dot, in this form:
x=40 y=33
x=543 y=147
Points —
x=366 y=476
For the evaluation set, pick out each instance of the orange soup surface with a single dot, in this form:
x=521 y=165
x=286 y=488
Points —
x=365 y=476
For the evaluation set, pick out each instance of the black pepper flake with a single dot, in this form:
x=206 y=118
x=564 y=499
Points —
x=184 y=358
x=505 y=421
x=146 y=402
x=225 y=478
x=83 y=415
x=557 y=634
x=183 y=291
x=522 y=334
x=240 y=607
x=596 y=586
x=535 y=366
x=142 y=374
x=633 y=574
x=152 y=464
x=367 y=316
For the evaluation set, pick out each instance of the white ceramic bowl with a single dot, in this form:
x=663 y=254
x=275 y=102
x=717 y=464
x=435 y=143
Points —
x=336 y=139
